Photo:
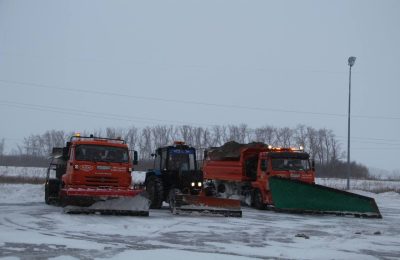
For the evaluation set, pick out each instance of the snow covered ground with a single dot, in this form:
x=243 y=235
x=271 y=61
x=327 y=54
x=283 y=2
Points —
x=35 y=172
x=30 y=229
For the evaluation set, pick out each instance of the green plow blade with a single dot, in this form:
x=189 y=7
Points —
x=299 y=197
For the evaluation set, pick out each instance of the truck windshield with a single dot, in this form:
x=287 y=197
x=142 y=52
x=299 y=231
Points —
x=98 y=153
x=290 y=164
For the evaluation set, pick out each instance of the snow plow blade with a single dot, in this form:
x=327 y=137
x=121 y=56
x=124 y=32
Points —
x=299 y=197
x=205 y=205
x=127 y=202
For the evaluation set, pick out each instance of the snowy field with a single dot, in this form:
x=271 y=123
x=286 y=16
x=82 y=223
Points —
x=27 y=172
x=30 y=229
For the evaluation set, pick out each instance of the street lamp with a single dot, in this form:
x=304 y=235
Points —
x=351 y=63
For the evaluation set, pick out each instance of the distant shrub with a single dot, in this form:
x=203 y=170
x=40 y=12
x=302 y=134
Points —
x=338 y=169
x=20 y=180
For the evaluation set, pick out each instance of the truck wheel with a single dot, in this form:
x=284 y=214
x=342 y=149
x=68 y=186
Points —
x=210 y=190
x=51 y=190
x=46 y=194
x=154 y=188
x=257 y=200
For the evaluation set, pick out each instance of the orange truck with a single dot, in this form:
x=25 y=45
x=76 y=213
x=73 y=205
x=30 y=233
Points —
x=278 y=178
x=93 y=175
x=247 y=169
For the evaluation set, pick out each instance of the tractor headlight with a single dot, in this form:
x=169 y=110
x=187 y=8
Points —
x=199 y=184
x=193 y=184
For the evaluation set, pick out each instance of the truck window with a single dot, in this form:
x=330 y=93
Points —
x=98 y=153
x=290 y=164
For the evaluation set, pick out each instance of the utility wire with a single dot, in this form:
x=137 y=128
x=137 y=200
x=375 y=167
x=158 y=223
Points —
x=91 y=114
x=145 y=119
x=106 y=93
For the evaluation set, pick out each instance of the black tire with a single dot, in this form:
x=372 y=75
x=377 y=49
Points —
x=210 y=190
x=257 y=200
x=154 y=188
x=51 y=191
x=221 y=188
x=46 y=193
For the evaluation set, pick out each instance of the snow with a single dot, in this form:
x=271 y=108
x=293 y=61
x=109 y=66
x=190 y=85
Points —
x=23 y=171
x=368 y=185
x=31 y=229
x=137 y=203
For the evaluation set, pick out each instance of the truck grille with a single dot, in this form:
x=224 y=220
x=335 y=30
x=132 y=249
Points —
x=101 y=181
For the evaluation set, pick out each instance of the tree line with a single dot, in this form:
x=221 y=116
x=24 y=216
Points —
x=322 y=144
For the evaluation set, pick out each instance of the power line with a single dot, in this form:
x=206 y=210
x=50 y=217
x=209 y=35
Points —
x=360 y=139
x=91 y=114
x=106 y=93
x=145 y=119
x=376 y=148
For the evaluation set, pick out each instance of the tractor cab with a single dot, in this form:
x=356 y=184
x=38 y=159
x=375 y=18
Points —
x=177 y=167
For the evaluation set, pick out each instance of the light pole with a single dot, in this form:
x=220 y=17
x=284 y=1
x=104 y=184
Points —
x=351 y=63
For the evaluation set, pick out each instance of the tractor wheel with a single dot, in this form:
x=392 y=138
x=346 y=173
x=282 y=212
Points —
x=257 y=200
x=154 y=188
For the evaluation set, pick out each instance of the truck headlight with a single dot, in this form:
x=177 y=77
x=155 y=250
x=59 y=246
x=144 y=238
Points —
x=199 y=184
x=193 y=184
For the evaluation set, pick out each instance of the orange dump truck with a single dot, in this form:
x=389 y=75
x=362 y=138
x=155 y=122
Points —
x=278 y=178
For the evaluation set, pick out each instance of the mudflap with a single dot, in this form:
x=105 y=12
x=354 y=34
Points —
x=299 y=197
x=135 y=204
x=204 y=205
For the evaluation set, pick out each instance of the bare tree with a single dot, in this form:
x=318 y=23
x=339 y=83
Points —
x=320 y=143
x=300 y=136
x=284 y=136
x=265 y=134
x=312 y=142
x=114 y=132
x=145 y=143
x=161 y=135
x=132 y=137
x=216 y=136
x=186 y=133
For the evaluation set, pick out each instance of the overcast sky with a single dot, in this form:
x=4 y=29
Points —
x=84 y=65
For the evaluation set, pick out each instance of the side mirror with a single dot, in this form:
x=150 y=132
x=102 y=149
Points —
x=135 y=158
x=153 y=155
x=65 y=151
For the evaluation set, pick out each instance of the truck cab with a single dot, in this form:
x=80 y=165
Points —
x=88 y=169
x=97 y=162
x=287 y=163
